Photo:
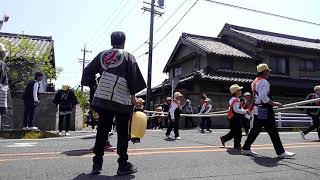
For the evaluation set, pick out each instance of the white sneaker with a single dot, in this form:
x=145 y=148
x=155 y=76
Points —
x=60 y=134
x=25 y=128
x=33 y=128
x=67 y=134
x=303 y=136
x=178 y=138
x=250 y=153
x=168 y=136
x=286 y=154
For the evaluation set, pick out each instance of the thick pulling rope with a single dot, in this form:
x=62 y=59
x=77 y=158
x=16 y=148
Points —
x=218 y=112
x=296 y=105
x=302 y=102
x=185 y=115
x=194 y=115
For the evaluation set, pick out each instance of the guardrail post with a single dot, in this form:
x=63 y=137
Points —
x=279 y=119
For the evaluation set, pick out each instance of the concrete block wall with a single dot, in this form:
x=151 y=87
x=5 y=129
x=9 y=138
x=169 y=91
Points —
x=46 y=113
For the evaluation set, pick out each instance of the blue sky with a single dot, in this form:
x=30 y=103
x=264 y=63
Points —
x=72 y=23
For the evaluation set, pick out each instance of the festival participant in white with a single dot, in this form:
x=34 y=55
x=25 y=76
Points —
x=174 y=115
x=206 y=108
x=313 y=113
x=245 y=103
x=235 y=115
x=31 y=101
x=3 y=81
x=264 y=114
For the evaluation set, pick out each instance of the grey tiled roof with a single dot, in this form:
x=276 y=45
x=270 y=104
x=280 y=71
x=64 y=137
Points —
x=248 y=73
x=204 y=75
x=41 y=43
x=228 y=72
x=276 y=38
x=213 y=45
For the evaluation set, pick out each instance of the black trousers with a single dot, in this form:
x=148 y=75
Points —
x=105 y=124
x=207 y=121
x=246 y=124
x=315 y=125
x=61 y=117
x=155 y=122
x=187 y=120
x=173 y=125
x=235 y=132
x=270 y=127
x=28 y=115
x=166 y=121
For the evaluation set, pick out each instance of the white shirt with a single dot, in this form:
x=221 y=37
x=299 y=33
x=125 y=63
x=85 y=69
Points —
x=35 y=91
x=173 y=107
x=203 y=108
x=236 y=106
x=263 y=89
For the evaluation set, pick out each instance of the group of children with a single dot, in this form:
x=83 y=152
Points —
x=238 y=115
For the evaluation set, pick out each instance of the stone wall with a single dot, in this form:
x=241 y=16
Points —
x=46 y=113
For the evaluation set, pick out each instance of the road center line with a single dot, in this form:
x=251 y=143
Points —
x=155 y=152
x=150 y=149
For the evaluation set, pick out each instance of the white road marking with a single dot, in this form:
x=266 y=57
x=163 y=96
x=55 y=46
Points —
x=46 y=139
x=28 y=144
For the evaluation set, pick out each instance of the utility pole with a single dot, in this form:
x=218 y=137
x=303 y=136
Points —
x=153 y=12
x=84 y=61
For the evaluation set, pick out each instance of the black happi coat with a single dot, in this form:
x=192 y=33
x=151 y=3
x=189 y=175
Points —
x=120 y=77
x=66 y=100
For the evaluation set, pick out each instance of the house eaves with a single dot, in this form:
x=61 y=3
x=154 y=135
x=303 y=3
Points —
x=270 y=37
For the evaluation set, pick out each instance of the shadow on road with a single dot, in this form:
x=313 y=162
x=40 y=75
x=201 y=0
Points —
x=169 y=139
x=266 y=161
x=302 y=167
x=88 y=137
x=233 y=151
x=79 y=152
x=84 y=176
x=314 y=141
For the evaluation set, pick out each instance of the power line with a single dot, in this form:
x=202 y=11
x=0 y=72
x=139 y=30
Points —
x=263 y=12
x=125 y=16
x=158 y=29
x=175 y=25
x=174 y=12
x=116 y=15
x=145 y=42
x=108 y=19
x=170 y=30
x=142 y=55
x=109 y=27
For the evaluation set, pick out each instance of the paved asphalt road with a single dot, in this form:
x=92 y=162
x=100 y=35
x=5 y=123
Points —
x=196 y=156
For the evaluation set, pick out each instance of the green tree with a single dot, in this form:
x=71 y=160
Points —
x=83 y=99
x=24 y=59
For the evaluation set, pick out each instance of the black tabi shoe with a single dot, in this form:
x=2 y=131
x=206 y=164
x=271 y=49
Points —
x=222 y=142
x=126 y=169
x=96 y=170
